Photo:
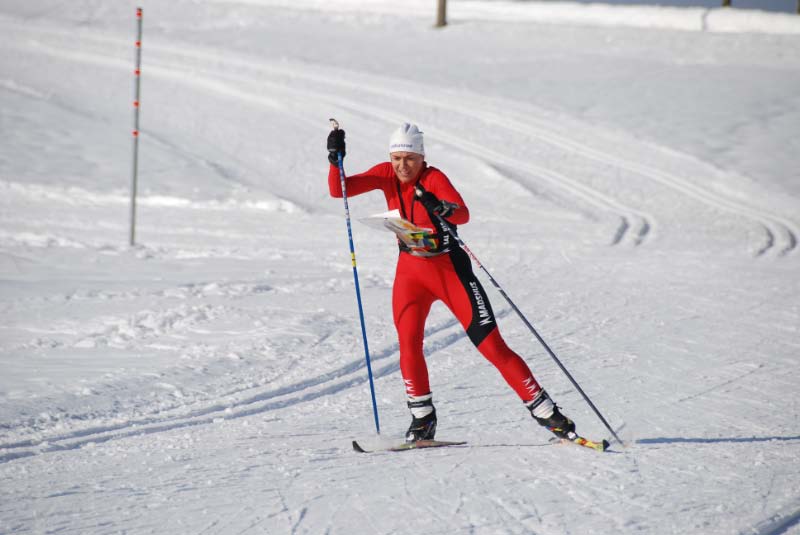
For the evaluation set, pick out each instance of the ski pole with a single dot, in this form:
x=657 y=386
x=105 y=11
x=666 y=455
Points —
x=342 y=177
x=527 y=323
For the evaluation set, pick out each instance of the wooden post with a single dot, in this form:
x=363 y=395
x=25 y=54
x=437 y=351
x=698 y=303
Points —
x=798 y=7
x=726 y=3
x=137 y=90
x=441 y=14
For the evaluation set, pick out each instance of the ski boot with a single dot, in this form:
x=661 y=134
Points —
x=423 y=423
x=546 y=414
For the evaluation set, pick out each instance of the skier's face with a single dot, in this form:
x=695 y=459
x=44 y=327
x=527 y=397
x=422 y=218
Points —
x=407 y=165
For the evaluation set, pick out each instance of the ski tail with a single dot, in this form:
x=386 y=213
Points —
x=603 y=445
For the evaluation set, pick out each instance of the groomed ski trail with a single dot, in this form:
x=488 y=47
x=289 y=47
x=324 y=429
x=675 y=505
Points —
x=635 y=225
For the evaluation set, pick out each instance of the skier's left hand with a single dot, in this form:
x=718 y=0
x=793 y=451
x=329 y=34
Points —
x=434 y=205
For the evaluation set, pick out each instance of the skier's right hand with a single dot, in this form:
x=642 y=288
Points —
x=336 y=145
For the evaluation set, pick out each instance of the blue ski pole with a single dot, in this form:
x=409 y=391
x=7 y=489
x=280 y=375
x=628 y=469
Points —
x=335 y=126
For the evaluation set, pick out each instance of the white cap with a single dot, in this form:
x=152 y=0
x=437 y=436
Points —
x=407 y=138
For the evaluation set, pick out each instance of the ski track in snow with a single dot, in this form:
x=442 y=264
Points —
x=250 y=401
x=781 y=234
x=635 y=225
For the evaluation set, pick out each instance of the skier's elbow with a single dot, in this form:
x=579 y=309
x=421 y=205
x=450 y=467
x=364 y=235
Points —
x=460 y=216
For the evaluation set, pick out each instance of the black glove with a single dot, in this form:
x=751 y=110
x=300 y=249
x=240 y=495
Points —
x=335 y=146
x=434 y=205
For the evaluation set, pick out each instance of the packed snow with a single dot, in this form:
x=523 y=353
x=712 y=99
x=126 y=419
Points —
x=633 y=174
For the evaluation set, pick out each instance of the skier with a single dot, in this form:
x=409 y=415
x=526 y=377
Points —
x=439 y=271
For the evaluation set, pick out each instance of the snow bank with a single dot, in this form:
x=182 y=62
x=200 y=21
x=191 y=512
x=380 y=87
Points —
x=672 y=18
x=600 y=14
x=73 y=195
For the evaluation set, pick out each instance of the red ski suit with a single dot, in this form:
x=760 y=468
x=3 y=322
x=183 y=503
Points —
x=446 y=276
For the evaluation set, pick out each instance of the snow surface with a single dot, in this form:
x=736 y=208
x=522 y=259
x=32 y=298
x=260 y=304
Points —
x=634 y=179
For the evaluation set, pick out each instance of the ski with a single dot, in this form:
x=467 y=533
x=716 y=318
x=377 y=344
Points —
x=586 y=443
x=405 y=446
x=603 y=445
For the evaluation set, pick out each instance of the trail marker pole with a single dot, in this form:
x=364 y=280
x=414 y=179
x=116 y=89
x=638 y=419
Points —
x=136 y=106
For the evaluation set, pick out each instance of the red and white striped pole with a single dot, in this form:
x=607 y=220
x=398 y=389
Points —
x=136 y=106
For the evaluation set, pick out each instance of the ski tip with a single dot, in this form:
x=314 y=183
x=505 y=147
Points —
x=603 y=445
x=358 y=448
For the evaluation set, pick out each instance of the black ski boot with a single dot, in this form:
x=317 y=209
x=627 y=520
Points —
x=423 y=423
x=557 y=423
